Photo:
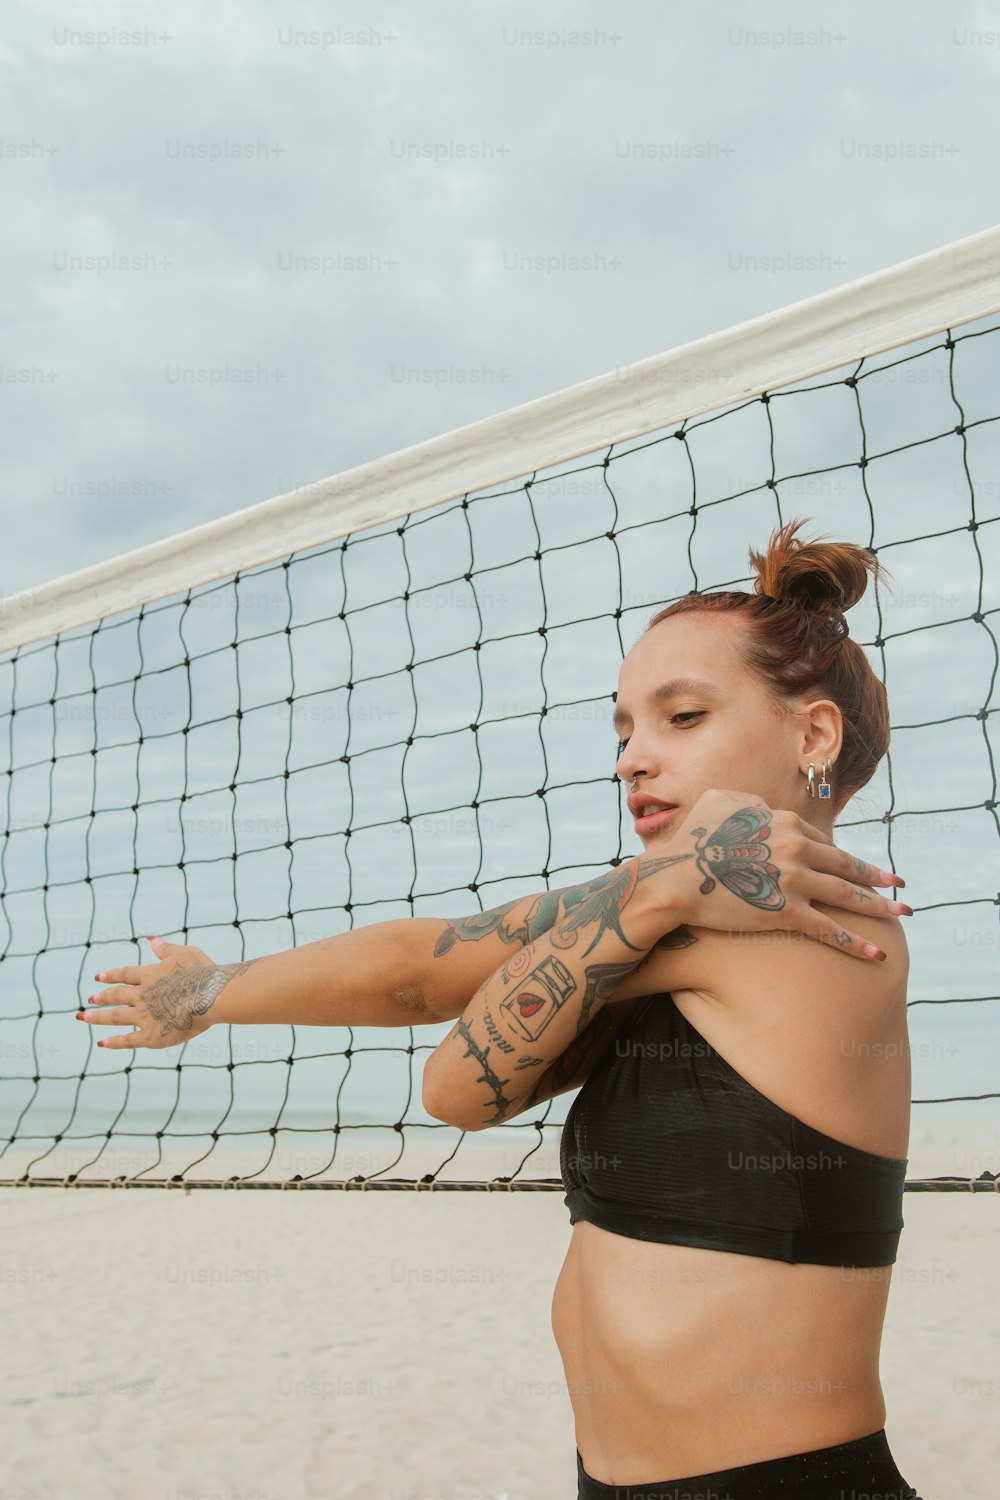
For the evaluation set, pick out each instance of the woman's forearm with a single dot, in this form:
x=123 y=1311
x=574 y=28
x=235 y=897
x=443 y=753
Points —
x=540 y=999
x=365 y=977
x=406 y=972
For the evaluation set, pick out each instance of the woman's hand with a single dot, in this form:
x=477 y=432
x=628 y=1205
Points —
x=165 y=1000
x=741 y=866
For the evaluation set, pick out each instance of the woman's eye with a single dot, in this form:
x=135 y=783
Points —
x=692 y=714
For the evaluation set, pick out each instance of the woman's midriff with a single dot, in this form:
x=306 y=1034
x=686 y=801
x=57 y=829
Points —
x=680 y=1361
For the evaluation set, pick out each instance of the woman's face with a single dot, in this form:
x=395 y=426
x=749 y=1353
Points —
x=725 y=734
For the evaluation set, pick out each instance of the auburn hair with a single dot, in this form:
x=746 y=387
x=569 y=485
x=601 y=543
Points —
x=794 y=639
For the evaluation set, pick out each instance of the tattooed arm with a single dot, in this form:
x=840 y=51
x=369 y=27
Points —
x=542 y=1009
x=414 y=971
x=756 y=870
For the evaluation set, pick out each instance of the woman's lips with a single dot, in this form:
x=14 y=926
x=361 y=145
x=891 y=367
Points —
x=657 y=820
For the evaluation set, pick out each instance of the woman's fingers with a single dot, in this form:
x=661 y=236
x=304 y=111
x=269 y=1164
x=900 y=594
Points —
x=163 y=949
x=849 y=942
x=111 y=1007
x=863 y=873
x=844 y=880
x=130 y=974
x=839 y=892
x=835 y=861
x=127 y=1039
x=850 y=865
x=119 y=1015
x=120 y=994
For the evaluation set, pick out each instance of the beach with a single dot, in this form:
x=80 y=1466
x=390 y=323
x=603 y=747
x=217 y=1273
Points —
x=390 y=1345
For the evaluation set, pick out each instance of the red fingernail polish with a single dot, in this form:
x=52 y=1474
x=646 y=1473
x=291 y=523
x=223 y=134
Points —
x=101 y=1044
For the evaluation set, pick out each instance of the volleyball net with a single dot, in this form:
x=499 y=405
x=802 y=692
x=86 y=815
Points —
x=390 y=694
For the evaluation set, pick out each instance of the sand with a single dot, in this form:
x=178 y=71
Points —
x=246 y=1345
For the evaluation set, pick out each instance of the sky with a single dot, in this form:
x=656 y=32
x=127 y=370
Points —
x=248 y=247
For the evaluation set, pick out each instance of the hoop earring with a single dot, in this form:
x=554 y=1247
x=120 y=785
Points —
x=825 y=789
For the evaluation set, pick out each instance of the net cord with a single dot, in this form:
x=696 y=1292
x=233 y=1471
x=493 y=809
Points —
x=941 y=289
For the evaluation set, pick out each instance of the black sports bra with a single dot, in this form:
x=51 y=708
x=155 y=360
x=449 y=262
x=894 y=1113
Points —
x=666 y=1141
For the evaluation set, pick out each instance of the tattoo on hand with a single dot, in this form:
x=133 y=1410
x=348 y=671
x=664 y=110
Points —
x=739 y=855
x=177 y=998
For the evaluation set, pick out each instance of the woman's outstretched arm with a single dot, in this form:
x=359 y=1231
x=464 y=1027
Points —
x=406 y=972
x=422 y=970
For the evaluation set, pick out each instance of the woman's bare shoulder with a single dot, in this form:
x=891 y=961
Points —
x=732 y=968
x=777 y=969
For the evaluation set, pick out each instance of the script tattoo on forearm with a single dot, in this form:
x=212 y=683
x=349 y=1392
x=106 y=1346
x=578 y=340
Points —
x=496 y=1035
x=177 y=998
x=489 y=1075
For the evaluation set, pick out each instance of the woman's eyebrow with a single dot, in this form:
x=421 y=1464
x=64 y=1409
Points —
x=675 y=688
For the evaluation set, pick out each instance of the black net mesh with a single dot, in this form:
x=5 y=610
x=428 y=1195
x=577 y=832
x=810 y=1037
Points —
x=416 y=721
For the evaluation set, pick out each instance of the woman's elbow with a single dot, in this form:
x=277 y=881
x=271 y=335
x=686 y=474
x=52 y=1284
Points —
x=437 y=1103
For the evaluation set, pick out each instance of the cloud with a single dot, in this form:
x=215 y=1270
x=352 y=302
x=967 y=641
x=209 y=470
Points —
x=247 y=249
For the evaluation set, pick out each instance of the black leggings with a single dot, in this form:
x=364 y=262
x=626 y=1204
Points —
x=860 y=1470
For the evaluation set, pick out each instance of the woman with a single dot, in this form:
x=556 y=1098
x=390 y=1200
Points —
x=734 y=1163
